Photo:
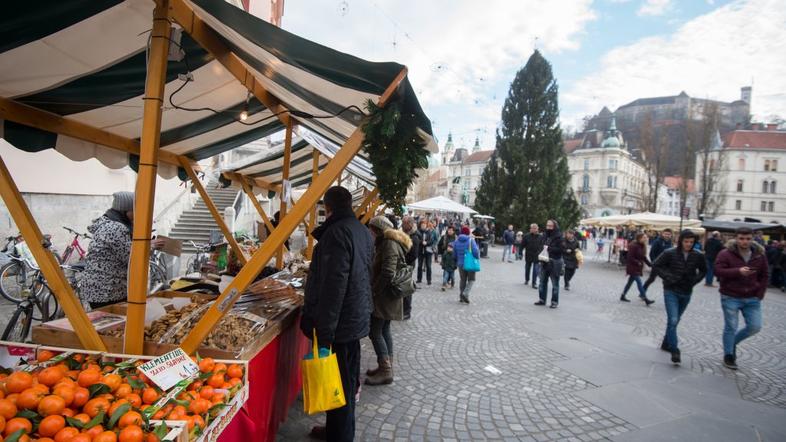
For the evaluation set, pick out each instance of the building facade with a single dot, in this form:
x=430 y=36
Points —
x=752 y=171
x=670 y=197
x=605 y=177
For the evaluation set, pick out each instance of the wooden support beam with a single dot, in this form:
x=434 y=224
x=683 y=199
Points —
x=46 y=262
x=255 y=202
x=212 y=42
x=360 y=210
x=285 y=189
x=312 y=214
x=29 y=116
x=139 y=265
x=371 y=211
x=249 y=272
x=217 y=216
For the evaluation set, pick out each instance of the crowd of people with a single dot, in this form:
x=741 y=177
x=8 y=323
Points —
x=356 y=285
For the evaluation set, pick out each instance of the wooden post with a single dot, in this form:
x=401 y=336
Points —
x=46 y=262
x=255 y=202
x=284 y=187
x=313 y=212
x=360 y=210
x=371 y=210
x=217 y=216
x=249 y=272
x=146 y=180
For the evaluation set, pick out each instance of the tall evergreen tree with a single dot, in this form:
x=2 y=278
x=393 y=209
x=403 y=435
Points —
x=533 y=181
x=487 y=199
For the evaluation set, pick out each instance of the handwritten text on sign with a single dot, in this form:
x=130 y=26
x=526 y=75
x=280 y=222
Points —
x=169 y=369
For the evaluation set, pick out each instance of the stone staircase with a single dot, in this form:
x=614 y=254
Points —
x=196 y=223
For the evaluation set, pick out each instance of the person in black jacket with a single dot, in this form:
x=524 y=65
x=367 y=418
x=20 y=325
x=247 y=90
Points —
x=337 y=301
x=712 y=247
x=572 y=245
x=533 y=245
x=551 y=269
x=660 y=244
x=681 y=268
x=408 y=226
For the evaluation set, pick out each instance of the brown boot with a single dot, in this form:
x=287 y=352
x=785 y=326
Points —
x=373 y=371
x=385 y=374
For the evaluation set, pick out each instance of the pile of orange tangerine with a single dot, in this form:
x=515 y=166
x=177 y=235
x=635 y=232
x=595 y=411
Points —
x=84 y=400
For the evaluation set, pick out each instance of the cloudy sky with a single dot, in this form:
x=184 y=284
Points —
x=462 y=55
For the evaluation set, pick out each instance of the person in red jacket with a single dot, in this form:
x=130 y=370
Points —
x=634 y=267
x=743 y=273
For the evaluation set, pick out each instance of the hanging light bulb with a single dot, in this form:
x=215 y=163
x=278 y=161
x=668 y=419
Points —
x=244 y=115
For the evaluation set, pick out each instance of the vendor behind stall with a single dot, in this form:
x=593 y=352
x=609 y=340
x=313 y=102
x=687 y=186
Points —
x=105 y=278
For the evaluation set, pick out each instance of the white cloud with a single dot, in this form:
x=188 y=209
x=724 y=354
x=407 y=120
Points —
x=710 y=56
x=654 y=7
x=457 y=52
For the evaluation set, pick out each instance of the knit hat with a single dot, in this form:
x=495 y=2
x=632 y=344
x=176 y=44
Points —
x=465 y=230
x=381 y=223
x=123 y=201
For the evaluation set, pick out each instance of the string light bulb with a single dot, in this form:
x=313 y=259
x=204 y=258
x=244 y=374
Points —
x=244 y=115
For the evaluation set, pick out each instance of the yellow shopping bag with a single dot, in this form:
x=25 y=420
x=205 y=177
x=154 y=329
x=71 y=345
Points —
x=322 y=388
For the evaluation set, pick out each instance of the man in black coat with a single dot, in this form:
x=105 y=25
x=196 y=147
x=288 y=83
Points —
x=551 y=270
x=337 y=300
x=712 y=247
x=408 y=226
x=533 y=245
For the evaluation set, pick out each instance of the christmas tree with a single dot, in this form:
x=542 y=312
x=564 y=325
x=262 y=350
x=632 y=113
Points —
x=531 y=183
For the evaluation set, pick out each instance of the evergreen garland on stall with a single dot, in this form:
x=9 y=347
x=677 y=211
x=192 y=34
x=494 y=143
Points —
x=395 y=150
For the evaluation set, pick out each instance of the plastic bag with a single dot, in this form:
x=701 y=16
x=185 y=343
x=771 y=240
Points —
x=322 y=387
x=544 y=255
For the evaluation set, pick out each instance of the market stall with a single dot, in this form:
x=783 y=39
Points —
x=440 y=204
x=646 y=220
x=160 y=86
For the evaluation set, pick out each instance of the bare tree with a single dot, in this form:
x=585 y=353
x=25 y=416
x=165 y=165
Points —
x=653 y=148
x=710 y=159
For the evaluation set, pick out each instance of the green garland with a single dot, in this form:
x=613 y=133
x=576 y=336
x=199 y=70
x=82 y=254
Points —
x=395 y=150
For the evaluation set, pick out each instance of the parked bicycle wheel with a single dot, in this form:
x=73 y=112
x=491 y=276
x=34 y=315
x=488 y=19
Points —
x=16 y=278
x=48 y=300
x=18 y=327
x=157 y=278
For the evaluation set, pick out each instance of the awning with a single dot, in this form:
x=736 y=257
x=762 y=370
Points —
x=440 y=204
x=649 y=220
x=86 y=60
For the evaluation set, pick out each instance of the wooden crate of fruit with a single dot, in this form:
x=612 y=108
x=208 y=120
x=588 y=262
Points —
x=64 y=394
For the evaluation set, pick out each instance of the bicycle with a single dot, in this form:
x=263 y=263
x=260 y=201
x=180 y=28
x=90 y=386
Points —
x=200 y=258
x=74 y=246
x=20 y=272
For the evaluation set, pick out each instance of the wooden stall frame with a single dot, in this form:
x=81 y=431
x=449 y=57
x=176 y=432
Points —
x=372 y=209
x=139 y=264
x=217 y=217
x=361 y=209
x=46 y=261
x=285 y=227
x=249 y=191
x=284 y=194
x=313 y=212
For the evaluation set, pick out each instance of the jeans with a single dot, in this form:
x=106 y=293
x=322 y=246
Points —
x=340 y=423
x=550 y=271
x=448 y=277
x=639 y=285
x=424 y=261
x=675 y=303
x=465 y=282
x=710 y=276
x=751 y=311
x=507 y=252
x=381 y=338
x=568 y=276
x=535 y=267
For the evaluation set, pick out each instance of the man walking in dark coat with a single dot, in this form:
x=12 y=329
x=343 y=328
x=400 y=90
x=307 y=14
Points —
x=712 y=247
x=551 y=268
x=508 y=236
x=337 y=301
x=533 y=245
x=660 y=244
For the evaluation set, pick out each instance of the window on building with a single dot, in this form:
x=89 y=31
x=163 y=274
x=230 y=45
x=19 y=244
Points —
x=766 y=165
x=764 y=206
x=771 y=206
x=739 y=185
x=611 y=181
x=586 y=164
x=466 y=184
x=738 y=205
x=585 y=183
x=773 y=165
x=765 y=186
x=772 y=186
x=584 y=200
x=613 y=164
x=741 y=163
x=713 y=164
x=467 y=171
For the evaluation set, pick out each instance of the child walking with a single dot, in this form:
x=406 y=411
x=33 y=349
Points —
x=448 y=267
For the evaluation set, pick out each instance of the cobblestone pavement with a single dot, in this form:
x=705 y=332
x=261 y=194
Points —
x=504 y=369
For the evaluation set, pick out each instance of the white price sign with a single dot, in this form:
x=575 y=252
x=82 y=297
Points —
x=169 y=369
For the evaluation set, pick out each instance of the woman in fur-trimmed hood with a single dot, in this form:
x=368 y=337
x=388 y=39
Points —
x=390 y=251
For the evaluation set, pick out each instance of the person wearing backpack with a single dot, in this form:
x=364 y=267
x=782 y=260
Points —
x=390 y=251
x=461 y=246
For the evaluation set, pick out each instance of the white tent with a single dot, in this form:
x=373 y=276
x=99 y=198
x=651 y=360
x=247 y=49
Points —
x=649 y=220
x=439 y=204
